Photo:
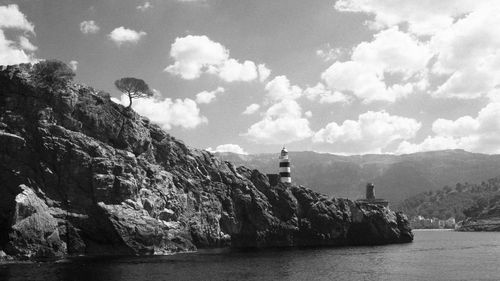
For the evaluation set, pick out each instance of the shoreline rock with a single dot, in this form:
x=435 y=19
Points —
x=82 y=175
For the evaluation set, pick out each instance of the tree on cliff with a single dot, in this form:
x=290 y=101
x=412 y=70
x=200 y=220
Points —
x=134 y=88
x=52 y=74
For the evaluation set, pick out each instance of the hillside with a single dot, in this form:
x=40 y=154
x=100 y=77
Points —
x=82 y=175
x=454 y=201
x=396 y=177
x=483 y=215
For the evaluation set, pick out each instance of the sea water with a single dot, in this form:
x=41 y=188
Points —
x=434 y=255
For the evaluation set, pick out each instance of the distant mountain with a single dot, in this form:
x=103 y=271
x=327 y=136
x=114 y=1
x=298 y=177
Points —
x=396 y=177
x=460 y=201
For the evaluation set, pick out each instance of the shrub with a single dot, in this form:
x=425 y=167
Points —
x=52 y=74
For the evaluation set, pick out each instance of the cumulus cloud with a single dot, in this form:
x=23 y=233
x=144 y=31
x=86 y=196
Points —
x=323 y=95
x=328 y=53
x=194 y=55
x=232 y=70
x=371 y=133
x=458 y=35
x=423 y=17
x=251 y=109
x=391 y=51
x=467 y=52
x=89 y=27
x=229 y=147
x=280 y=88
x=264 y=72
x=12 y=17
x=208 y=96
x=121 y=35
x=144 y=7
x=282 y=123
x=14 y=21
x=168 y=112
x=26 y=44
x=479 y=134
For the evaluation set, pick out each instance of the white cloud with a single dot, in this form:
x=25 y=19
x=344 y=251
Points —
x=208 y=96
x=26 y=44
x=144 y=7
x=365 y=83
x=308 y=114
x=327 y=53
x=251 y=109
x=323 y=95
x=264 y=72
x=194 y=55
x=232 y=70
x=229 y=147
x=478 y=134
x=279 y=88
x=282 y=123
x=12 y=17
x=12 y=52
x=73 y=65
x=423 y=17
x=429 y=144
x=468 y=53
x=371 y=133
x=280 y=130
x=89 y=27
x=167 y=112
x=458 y=35
x=121 y=35
x=391 y=51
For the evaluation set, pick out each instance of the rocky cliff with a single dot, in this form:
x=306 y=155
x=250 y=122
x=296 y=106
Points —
x=80 y=174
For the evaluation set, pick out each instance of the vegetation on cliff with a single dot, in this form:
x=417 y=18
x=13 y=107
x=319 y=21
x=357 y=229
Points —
x=81 y=174
x=460 y=201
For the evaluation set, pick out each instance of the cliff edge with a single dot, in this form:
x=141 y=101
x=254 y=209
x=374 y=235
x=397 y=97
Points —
x=80 y=174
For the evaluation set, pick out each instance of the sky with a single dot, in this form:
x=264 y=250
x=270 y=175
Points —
x=344 y=77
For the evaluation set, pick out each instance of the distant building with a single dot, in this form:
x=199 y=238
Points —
x=370 y=197
x=420 y=222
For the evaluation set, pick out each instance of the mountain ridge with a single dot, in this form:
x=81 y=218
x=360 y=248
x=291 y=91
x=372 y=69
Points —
x=396 y=177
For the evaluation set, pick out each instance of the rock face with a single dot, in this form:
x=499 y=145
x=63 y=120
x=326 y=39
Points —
x=80 y=174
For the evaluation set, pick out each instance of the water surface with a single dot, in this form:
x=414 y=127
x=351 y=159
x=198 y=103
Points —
x=434 y=255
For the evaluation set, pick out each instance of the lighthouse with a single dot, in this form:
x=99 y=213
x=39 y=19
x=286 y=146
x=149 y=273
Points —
x=285 y=167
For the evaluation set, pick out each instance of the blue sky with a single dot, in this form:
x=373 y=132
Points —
x=347 y=76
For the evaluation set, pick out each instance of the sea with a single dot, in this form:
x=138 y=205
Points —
x=434 y=255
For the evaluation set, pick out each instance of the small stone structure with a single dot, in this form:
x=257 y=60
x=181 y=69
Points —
x=370 y=197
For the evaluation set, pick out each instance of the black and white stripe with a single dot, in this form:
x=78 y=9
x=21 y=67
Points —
x=285 y=176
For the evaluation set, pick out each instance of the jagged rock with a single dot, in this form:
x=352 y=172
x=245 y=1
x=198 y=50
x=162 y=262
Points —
x=167 y=215
x=35 y=233
x=83 y=175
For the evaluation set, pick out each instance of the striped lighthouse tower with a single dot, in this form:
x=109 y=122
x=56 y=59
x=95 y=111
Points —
x=285 y=167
